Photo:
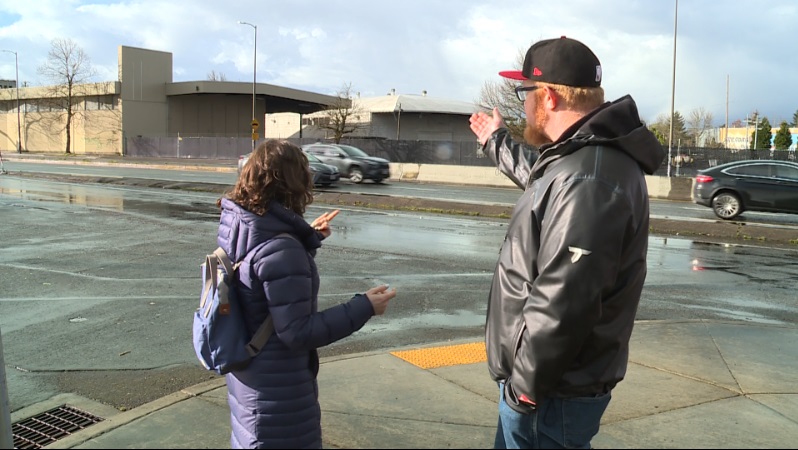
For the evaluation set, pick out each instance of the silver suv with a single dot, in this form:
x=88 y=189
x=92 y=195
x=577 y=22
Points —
x=352 y=162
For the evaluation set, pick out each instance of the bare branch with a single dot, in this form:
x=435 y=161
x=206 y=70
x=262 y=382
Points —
x=68 y=69
x=342 y=117
x=501 y=94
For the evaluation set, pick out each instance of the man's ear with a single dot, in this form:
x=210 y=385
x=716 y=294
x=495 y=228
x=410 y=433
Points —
x=550 y=100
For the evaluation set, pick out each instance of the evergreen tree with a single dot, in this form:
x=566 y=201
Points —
x=783 y=139
x=762 y=135
x=680 y=136
x=795 y=119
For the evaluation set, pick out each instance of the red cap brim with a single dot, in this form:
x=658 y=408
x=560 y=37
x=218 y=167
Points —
x=513 y=75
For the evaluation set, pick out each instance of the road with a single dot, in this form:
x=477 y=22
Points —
x=100 y=283
x=476 y=194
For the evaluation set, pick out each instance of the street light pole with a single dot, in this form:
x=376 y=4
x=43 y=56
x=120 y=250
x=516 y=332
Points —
x=254 y=78
x=673 y=86
x=19 y=120
x=6 y=433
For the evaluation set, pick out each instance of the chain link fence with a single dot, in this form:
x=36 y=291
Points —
x=685 y=162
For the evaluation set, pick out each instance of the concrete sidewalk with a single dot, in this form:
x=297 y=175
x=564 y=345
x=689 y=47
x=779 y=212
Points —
x=693 y=384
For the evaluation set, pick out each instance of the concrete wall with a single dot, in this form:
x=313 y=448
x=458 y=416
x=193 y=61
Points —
x=95 y=129
x=212 y=115
x=144 y=74
x=412 y=126
x=658 y=187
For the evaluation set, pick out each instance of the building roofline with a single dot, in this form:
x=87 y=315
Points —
x=234 y=87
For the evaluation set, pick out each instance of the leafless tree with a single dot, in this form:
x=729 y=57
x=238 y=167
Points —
x=213 y=76
x=501 y=94
x=68 y=69
x=341 y=118
x=698 y=122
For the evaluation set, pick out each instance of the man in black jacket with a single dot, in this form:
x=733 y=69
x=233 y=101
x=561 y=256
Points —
x=571 y=269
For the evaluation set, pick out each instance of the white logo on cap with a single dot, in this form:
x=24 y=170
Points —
x=598 y=74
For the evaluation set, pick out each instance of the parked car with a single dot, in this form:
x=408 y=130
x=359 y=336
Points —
x=323 y=174
x=754 y=185
x=351 y=161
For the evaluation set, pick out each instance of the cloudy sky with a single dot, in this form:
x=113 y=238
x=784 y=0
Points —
x=447 y=47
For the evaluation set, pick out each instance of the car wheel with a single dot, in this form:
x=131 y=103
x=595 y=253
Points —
x=355 y=175
x=378 y=180
x=727 y=205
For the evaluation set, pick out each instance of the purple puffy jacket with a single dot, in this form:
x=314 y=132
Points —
x=274 y=402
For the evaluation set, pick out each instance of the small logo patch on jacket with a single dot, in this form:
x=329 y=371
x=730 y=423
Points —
x=577 y=253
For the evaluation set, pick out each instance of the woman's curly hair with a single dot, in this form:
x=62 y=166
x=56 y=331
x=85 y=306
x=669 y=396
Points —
x=276 y=170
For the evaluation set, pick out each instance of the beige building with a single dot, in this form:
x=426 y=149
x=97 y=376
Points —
x=143 y=102
x=393 y=116
x=740 y=138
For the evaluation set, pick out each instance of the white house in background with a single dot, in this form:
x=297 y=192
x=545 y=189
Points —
x=393 y=116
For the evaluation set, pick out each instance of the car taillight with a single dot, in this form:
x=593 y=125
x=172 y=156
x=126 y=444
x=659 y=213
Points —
x=703 y=179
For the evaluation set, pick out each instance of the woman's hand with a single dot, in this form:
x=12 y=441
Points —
x=322 y=223
x=379 y=297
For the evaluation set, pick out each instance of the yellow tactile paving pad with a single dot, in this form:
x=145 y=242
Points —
x=450 y=355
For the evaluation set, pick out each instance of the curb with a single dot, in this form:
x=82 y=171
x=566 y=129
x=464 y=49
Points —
x=127 y=417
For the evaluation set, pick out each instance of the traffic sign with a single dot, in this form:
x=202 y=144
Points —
x=255 y=124
x=255 y=136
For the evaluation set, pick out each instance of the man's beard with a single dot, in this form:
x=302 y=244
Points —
x=533 y=133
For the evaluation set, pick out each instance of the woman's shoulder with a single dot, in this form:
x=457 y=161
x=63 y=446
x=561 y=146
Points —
x=281 y=256
x=281 y=243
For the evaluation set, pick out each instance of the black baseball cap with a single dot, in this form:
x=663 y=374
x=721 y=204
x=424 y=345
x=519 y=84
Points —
x=562 y=61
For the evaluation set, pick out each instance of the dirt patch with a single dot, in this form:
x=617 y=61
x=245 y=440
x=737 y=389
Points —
x=412 y=204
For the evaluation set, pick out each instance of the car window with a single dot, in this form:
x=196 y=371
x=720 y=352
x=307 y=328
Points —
x=312 y=158
x=353 y=151
x=314 y=149
x=790 y=173
x=752 y=170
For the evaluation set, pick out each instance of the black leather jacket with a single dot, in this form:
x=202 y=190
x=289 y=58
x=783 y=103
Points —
x=571 y=269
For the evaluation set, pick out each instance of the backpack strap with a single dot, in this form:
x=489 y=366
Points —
x=266 y=329
x=211 y=283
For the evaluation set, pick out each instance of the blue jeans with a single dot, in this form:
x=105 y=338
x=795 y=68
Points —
x=556 y=423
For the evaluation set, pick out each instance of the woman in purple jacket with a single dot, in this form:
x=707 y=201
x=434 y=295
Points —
x=274 y=402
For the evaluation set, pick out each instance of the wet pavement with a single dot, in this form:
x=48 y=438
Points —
x=712 y=344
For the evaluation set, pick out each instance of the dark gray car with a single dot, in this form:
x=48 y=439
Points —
x=323 y=174
x=351 y=161
x=753 y=185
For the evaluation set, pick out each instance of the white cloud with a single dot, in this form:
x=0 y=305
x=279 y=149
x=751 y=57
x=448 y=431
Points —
x=448 y=48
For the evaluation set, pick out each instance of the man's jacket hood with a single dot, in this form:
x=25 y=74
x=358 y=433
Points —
x=614 y=124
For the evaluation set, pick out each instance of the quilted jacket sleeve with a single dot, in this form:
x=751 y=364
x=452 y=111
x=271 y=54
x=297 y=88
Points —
x=287 y=274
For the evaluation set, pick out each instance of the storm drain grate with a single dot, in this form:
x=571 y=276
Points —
x=50 y=426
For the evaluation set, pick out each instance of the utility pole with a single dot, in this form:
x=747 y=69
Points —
x=254 y=123
x=756 y=129
x=673 y=86
x=726 y=140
